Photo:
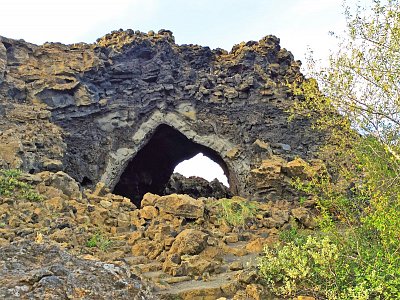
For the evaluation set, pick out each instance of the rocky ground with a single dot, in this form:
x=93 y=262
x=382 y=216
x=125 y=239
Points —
x=92 y=244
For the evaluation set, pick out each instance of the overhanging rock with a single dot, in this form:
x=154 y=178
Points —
x=90 y=109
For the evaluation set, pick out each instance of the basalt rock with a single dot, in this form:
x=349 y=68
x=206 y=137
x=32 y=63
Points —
x=40 y=271
x=196 y=187
x=127 y=109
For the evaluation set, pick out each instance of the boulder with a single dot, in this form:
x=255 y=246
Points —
x=189 y=241
x=43 y=271
x=257 y=245
x=149 y=199
x=65 y=183
x=180 y=205
x=255 y=291
x=145 y=247
x=298 y=168
x=304 y=217
x=196 y=187
x=148 y=212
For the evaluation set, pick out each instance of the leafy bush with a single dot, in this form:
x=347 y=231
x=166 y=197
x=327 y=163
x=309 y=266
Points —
x=350 y=265
x=290 y=269
x=236 y=211
x=11 y=186
x=294 y=235
x=99 y=241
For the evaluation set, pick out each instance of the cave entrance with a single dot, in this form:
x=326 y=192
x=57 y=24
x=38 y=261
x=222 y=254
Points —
x=202 y=166
x=151 y=168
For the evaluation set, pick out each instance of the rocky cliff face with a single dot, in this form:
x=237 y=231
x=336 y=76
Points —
x=128 y=108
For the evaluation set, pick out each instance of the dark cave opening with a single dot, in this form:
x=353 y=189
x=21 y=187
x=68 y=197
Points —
x=86 y=181
x=151 y=168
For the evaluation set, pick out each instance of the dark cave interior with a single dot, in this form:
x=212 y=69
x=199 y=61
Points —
x=151 y=168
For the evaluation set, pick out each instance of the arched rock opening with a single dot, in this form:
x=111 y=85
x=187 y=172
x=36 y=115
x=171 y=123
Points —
x=150 y=169
x=203 y=167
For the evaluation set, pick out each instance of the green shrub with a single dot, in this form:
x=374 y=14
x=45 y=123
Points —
x=11 y=186
x=237 y=210
x=290 y=269
x=293 y=235
x=350 y=267
x=99 y=241
x=359 y=236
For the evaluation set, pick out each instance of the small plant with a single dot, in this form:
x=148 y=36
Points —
x=31 y=195
x=302 y=200
x=2 y=224
x=292 y=235
x=237 y=210
x=11 y=186
x=98 y=240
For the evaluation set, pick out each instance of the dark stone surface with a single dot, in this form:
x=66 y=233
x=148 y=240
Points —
x=40 y=271
x=196 y=187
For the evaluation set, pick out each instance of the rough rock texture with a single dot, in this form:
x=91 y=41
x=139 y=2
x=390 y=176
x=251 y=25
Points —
x=128 y=108
x=185 y=248
x=38 y=271
x=196 y=187
x=180 y=205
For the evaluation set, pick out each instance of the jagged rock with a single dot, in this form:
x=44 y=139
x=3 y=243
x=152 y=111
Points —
x=256 y=291
x=64 y=183
x=148 y=248
x=196 y=187
x=298 y=168
x=236 y=266
x=180 y=205
x=304 y=217
x=257 y=245
x=53 y=165
x=189 y=241
x=196 y=265
x=149 y=199
x=41 y=271
x=148 y=212
x=127 y=109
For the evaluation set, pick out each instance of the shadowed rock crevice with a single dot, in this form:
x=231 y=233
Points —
x=151 y=168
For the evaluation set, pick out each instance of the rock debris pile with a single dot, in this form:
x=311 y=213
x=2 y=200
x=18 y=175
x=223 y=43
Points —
x=178 y=246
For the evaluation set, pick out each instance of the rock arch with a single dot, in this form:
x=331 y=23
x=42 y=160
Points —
x=151 y=167
x=159 y=125
x=89 y=109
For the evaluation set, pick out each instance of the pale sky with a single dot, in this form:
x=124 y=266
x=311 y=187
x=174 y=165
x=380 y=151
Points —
x=213 y=23
x=300 y=24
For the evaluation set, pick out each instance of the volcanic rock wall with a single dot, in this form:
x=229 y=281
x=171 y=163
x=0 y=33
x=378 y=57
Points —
x=91 y=109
